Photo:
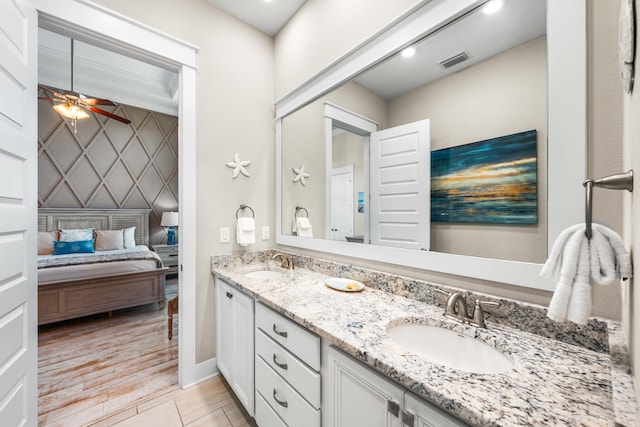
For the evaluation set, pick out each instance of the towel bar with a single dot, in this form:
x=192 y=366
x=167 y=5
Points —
x=243 y=207
x=619 y=181
x=300 y=208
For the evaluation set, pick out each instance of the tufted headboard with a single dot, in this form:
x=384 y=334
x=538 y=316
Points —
x=50 y=219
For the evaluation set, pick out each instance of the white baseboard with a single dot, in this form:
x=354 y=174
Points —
x=204 y=371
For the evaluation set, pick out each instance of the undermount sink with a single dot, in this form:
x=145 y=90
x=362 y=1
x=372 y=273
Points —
x=449 y=348
x=264 y=274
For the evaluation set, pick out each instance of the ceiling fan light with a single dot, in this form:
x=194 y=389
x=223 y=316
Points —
x=70 y=111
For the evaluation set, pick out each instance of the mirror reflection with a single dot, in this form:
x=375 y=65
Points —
x=481 y=77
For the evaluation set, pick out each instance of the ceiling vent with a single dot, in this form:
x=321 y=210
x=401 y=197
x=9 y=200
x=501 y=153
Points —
x=454 y=60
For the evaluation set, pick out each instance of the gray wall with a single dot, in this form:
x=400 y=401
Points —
x=108 y=164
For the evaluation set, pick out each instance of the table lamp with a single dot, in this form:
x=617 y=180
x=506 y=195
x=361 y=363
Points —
x=170 y=220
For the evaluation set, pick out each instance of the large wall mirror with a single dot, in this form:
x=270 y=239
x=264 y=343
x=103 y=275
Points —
x=364 y=130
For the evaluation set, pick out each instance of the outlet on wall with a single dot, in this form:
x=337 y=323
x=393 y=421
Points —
x=225 y=234
x=266 y=232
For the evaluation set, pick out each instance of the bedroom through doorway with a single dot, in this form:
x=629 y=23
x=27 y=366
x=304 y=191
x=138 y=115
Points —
x=92 y=366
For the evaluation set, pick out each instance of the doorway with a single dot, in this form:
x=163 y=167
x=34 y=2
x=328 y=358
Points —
x=121 y=35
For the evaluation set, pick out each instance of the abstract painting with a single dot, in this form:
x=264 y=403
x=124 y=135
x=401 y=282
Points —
x=490 y=181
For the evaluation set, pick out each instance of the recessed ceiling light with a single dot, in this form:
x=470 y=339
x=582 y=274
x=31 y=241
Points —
x=492 y=7
x=409 y=52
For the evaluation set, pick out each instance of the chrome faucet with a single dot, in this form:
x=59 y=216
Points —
x=286 y=261
x=456 y=309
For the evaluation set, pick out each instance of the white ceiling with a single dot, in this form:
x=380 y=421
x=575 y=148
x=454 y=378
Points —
x=104 y=74
x=266 y=15
x=481 y=36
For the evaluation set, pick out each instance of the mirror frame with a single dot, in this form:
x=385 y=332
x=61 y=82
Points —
x=566 y=125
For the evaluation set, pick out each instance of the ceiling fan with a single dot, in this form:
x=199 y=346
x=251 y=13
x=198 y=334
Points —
x=72 y=105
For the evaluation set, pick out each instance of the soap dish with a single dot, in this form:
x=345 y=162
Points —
x=344 y=284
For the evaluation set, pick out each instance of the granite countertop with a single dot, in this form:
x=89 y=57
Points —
x=551 y=383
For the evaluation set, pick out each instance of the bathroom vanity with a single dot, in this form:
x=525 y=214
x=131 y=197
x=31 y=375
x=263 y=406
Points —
x=325 y=357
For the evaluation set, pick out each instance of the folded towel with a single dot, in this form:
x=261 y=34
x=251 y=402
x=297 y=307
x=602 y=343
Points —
x=576 y=263
x=246 y=231
x=303 y=227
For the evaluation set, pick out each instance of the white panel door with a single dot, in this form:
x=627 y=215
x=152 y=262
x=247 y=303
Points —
x=342 y=203
x=18 y=207
x=400 y=186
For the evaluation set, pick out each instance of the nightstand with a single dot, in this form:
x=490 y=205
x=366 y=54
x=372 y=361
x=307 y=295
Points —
x=169 y=256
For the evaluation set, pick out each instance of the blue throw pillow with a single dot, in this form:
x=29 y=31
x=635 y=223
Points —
x=81 y=247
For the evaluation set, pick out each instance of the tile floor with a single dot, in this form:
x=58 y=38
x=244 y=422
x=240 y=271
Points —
x=209 y=403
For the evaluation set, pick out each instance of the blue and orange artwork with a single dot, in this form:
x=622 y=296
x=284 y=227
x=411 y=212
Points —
x=492 y=181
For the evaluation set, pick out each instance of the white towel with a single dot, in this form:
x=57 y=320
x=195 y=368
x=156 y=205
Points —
x=303 y=227
x=577 y=263
x=246 y=231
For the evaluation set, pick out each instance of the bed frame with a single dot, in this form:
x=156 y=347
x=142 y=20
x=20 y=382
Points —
x=69 y=299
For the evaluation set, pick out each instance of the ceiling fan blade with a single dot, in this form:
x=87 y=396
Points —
x=53 y=92
x=96 y=101
x=108 y=114
x=51 y=99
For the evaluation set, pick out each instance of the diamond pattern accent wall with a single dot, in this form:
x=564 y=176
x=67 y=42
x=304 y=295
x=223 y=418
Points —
x=107 y=164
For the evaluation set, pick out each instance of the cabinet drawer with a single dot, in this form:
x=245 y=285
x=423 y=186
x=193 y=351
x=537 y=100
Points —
x=284 y=400
x=306 y=381
x=265 y=415
x=302 y=343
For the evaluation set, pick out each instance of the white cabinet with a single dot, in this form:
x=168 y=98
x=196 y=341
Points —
x=235 y=342
x=418 y=413
x=353 y=395
x=288 y=383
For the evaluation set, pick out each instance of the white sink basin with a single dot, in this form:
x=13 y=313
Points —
x=449 y=348
x=264 y=274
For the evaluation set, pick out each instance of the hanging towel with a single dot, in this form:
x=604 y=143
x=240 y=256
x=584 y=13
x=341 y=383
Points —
x=576 y=263
x=303 y=227
x=246 y=231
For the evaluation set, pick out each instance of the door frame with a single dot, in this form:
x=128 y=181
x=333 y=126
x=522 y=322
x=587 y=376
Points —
x=354 y=123
x=104 y=28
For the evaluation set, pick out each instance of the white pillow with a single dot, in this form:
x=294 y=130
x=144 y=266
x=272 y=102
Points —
x=45 y=242
x=129 y=237
x=109 y=240
x=76 y=235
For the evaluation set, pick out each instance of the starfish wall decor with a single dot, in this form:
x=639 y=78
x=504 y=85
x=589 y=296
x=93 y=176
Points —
x=300 y=175
x=239 y=166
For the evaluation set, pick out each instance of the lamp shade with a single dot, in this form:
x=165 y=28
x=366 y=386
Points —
x=169 y=219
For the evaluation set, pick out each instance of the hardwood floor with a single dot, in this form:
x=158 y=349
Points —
x=123 y=371
x=92 y=367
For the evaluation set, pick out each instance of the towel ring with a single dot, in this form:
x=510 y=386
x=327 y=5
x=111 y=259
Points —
x=243 y=207
x=300 y=208
x=619 y=181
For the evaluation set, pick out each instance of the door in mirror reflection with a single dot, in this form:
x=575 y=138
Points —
x=400 y=186
x=342 y=206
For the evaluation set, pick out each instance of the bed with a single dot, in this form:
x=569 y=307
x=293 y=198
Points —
x=72 y=286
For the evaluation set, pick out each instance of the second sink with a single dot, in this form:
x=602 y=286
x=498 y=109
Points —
x=449 y=348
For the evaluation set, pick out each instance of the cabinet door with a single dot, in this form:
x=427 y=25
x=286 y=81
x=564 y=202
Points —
x=356 y=396
x=224 y=327
x=234 y=341
x=243 y=334
x=419 y=413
